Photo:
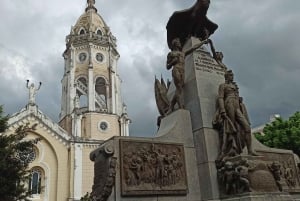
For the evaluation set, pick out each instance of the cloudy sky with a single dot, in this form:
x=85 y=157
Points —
x=259 y=39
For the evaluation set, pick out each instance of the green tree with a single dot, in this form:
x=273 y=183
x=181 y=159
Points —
x=86 y=197
x=283 y=134
x=14 y=173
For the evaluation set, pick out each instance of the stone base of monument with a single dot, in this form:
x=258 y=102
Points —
x=154 y=169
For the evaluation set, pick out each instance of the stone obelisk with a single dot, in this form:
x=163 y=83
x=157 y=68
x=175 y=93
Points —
x=202 y=78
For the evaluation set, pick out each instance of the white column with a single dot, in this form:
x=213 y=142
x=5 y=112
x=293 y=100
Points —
x=78 y=171
x=107 y=98
x=121 y=120
x=77 y=126
x=113 y=92
x=91 y=89
x=72 y=89
x=73 y=124
x=127 y=122
x=124 y=124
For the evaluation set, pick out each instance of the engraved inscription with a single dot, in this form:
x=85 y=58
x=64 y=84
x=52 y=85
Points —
x=152 y=168
x=207 y=64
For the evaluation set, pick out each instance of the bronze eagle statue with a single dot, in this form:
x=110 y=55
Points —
x=190 y=22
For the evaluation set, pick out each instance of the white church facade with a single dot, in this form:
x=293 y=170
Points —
x=92 y=110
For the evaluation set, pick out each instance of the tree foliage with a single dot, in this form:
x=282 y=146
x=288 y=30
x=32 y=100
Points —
x=86 y=197
x=14 y=173
x=283 y=134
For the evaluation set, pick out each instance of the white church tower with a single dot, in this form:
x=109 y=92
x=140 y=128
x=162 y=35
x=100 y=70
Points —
x=91 y=106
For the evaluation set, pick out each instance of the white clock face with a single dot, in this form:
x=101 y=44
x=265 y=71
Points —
x=82 y=56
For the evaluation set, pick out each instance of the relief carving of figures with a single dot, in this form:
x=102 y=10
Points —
x=269 y=172
x=233 y=177
x=176 y=62
x=289 y=174
x=275 y=168
x=155 y=166
x=232 y=120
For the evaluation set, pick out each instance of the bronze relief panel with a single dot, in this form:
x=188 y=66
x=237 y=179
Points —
x=151 y=168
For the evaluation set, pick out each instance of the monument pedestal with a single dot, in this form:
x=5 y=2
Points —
x=203 y=75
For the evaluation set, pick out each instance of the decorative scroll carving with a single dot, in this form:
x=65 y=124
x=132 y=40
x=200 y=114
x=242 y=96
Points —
x=104 y=171
x=152 y=168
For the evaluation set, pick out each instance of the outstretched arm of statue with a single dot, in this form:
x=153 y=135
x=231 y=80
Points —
x=27 y=84
x=39 y=86
x=213 y=50
x=189 y=51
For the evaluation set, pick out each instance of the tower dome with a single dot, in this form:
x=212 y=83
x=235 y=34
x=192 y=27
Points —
x=90 y=28
x=90 y=22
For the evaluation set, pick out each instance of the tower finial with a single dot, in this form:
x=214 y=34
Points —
x=91 y=5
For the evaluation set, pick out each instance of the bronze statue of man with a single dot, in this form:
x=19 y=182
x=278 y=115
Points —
x=236 y=126
x=176 y=59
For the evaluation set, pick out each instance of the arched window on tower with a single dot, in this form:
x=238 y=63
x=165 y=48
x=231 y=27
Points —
x=82 y=91
x=83 y=100
x=99 y=32
x=101 y=96
x=82 y=31
x=35 y=182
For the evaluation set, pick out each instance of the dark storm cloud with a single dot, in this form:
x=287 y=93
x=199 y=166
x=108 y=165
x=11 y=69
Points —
x=258 y=38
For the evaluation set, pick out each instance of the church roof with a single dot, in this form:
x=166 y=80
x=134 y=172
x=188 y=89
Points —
x=31 y=114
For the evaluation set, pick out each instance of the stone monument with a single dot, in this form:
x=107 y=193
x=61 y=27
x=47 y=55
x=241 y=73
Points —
x=199 y=151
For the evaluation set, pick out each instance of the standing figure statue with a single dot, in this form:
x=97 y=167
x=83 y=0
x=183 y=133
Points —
x=176 y=59
x=32 y=92
x=233 y=120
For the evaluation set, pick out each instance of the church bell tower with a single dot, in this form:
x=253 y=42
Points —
x=91 y=105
